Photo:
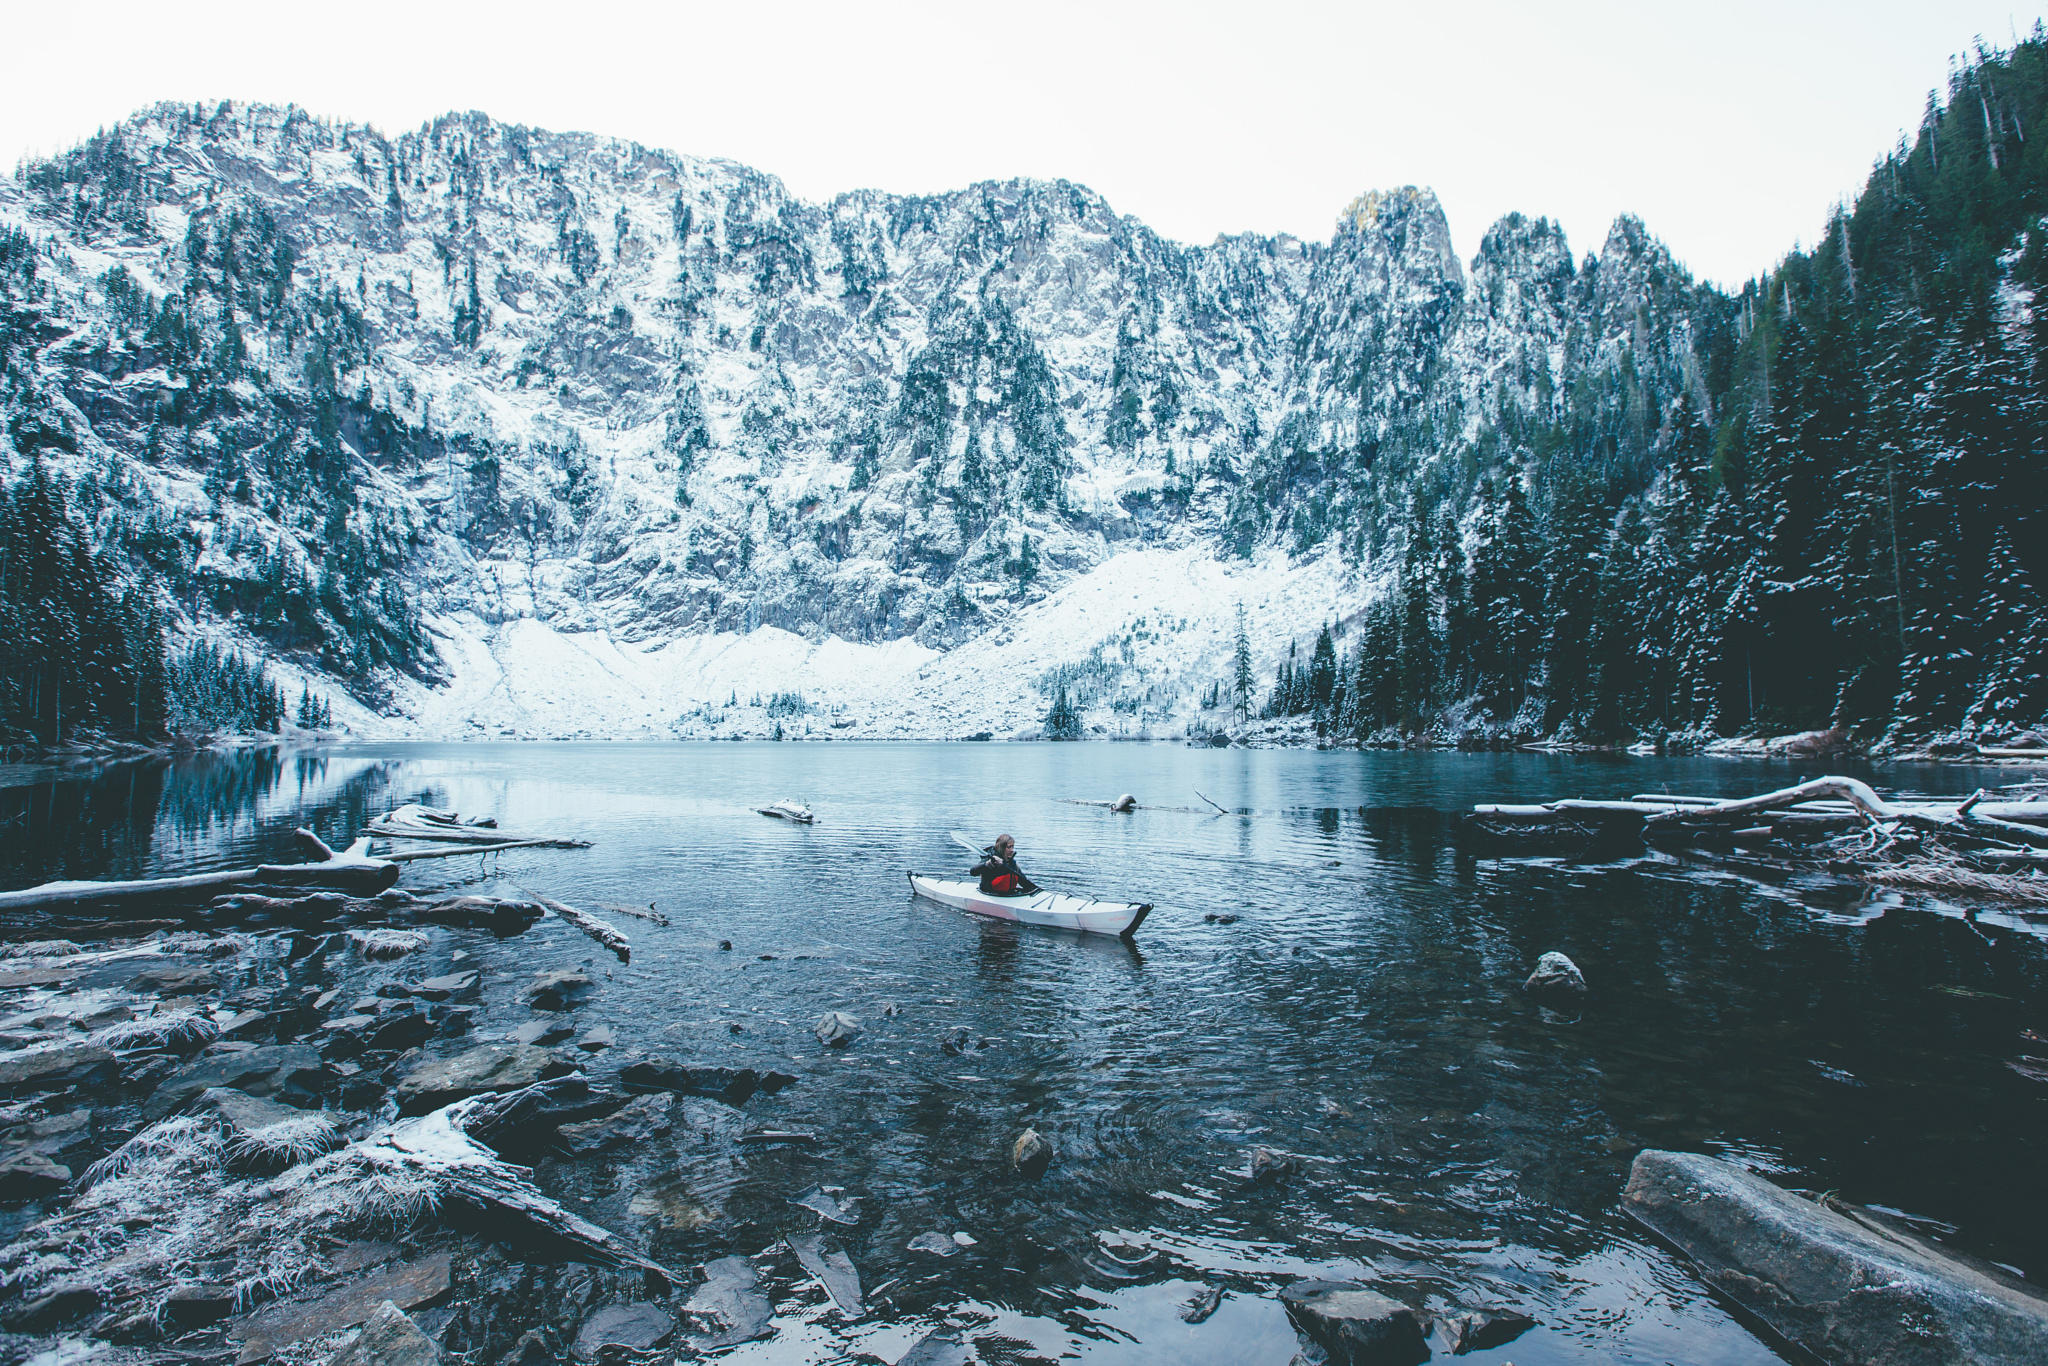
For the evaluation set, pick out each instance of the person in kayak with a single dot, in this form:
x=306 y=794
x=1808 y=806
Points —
x=999 y=873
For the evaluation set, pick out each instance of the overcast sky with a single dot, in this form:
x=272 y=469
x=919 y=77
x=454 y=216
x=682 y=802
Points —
x=1729 y=128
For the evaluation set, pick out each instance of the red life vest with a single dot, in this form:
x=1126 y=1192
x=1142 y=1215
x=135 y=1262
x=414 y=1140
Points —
x=1002 y=884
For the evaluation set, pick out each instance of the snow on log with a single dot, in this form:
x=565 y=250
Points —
x=415 y=822
x=604 y=934
x=351 y=870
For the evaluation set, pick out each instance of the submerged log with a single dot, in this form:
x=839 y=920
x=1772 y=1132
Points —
x=604 y=934
x=350 y=870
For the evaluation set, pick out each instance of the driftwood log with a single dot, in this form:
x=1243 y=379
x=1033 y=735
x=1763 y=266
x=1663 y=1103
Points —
x=349 y=870
x=415 y=822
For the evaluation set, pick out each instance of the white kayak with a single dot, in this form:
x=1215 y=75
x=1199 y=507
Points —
x=1054 y=909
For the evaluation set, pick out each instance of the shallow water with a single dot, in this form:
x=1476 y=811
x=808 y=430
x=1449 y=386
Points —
x=1454 y=1139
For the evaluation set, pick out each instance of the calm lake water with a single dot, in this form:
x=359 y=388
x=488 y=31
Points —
x=1362 y=1014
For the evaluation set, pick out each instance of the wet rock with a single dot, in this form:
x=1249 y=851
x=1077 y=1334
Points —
x=389 y=1338
x=562 y=989
x=956 y=1041
x=836 y=1029
x=30 y=1176
x=937 y=1244
x=764 y=1137
x=1844 y=1289
x=1031 y=1154
x=1199 y=1306
x=288 y=1322
x=531 y=1350
x=402 y=1029
x=1556 y=977
x=53 y=1309
x=169 y=979
x=940 y=1347
x=1354 y=1325
x=194 y=1306
x=635 y=1327
x=347 y=1037
x=448 y=987
x=1222 y=917
x=489 y=1068
x=383 y=946
x=292 y=1071
x=1270 y=1168
x=1125 y=803
x=733 y=1085
x=56 y=1069
x=728 y=1308
x=832 y=1269
x=826 y=1203
x=502 y=918
x=543 y=1033
x=526 y=1119
x=1476 y=1330
x=597 y=1038
x=641 y=1120
x=265 y=1135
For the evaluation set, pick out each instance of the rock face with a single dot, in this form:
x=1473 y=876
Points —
x=690 y=402
x=389 y=1338
x=55 y=1069
x=1354 y=1325
x=1556 y=977
x=1844 y=1289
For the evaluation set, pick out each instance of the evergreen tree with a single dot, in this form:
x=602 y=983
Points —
x=1062 y=721
x=1241 y=680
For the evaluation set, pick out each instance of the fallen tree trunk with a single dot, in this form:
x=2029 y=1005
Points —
x=350 y=870
x=589 y=924
x=470 y=851
x=414 y=822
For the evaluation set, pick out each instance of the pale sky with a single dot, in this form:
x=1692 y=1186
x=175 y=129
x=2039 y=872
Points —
x=1730 y=128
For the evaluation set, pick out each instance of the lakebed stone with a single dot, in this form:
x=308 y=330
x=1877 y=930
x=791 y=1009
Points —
x=729 y=1307
x=1845 y=1289
x=1557 y=977
x=560 y=990
x=1031 y=1154
x=286 y=1323
x=641 y=1119
x=733 y=1085
x=635 y=1327
x=1354 y=1324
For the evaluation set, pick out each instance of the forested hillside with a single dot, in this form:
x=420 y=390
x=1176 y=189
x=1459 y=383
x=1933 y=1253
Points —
x=488 y=429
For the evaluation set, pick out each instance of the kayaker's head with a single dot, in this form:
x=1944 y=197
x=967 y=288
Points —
x=1005 y=846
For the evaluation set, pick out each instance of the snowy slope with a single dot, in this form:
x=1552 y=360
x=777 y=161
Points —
x=621 y=434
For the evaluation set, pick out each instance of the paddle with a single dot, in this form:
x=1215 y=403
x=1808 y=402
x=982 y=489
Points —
x=969 y=845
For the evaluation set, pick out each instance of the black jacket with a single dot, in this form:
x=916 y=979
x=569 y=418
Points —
x=994 y=866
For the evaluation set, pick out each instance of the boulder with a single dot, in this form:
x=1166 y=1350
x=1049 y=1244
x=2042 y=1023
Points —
x=490 y=1068
x=389 y=1338
x=1557 y=977
x=1126 y=803
x=1476 y=1330
x=56 y=1069
x=1031 y=1154
x=643 y=1118
x=30 y=1175
x=562 y=989
x=194 y=1306
x=635 y=1327
x=1270 y=1168
x=836 y=1029
x=1355 y=1325
x=1843 y=1286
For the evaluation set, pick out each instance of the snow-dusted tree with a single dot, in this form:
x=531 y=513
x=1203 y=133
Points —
x=2012 y=620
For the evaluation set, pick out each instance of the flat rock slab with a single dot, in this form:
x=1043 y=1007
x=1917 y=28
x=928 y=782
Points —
x=490 y=1068
x=389 y=1338
x=1355 y=1325
x=278 y=1326
x=939 y=1348
x=54 y=1069
x=832 y=1269
x=729 y=1307
x=642 y=1119
x=636 y=1327
x=170 y=980
x=1842 y=1288
x=257 y=1071
x=560 y=990
x=35 y=977
x=448 y=986
x=543 y=1033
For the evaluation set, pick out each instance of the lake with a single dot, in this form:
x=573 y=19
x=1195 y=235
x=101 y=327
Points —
x=1361 y=1014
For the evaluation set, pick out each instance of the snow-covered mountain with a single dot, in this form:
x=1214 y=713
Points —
x=501 y=429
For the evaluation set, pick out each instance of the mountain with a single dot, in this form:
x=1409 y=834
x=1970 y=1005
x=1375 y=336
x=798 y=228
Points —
x=487 y=429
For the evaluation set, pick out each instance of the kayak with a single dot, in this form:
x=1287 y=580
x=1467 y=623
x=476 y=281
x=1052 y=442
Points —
x=1053 y=909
